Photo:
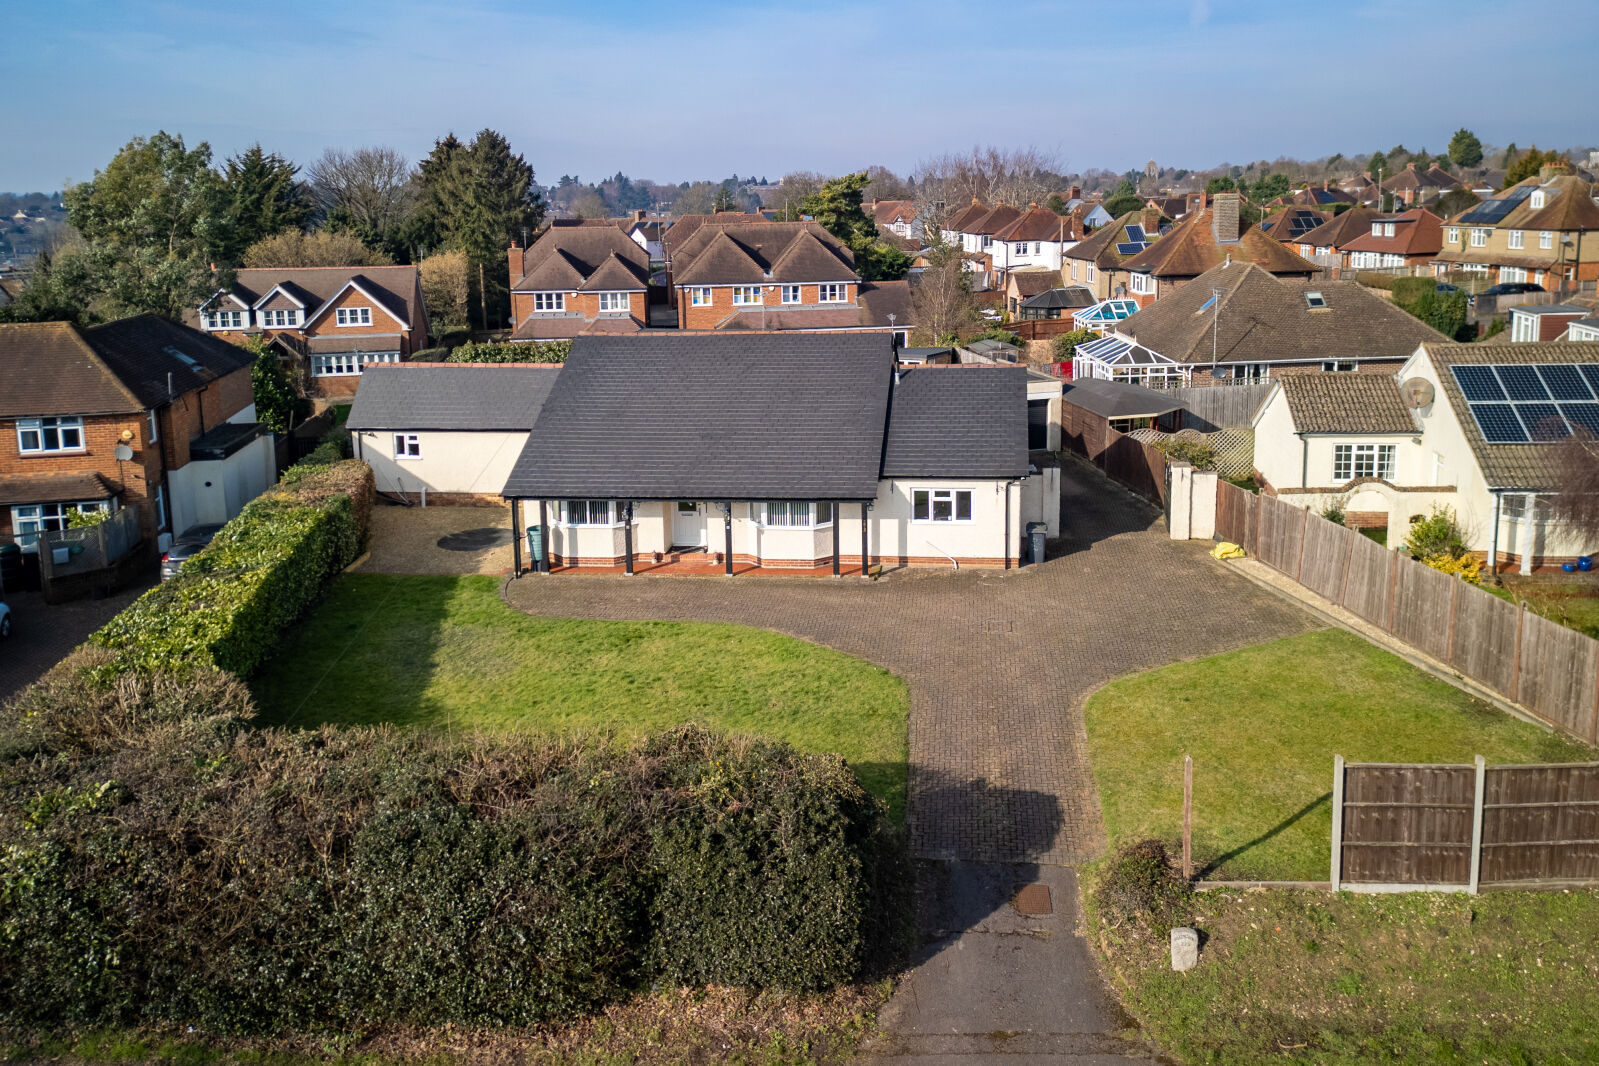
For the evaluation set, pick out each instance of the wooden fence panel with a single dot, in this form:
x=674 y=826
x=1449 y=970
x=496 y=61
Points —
x=1421 y=607
x=1540 y=823
x=1484 y=637
x=1234 y=507
x=1135 y=464
x=1407 y=824
x=1559 y=675
x=1366 y=583
x=1280 y=527
x=1325 y=558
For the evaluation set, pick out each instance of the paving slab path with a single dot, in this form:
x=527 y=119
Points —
x=998 y=665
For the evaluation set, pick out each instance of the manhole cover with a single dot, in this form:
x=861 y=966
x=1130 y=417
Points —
x=1033 y=899
x=475 y=540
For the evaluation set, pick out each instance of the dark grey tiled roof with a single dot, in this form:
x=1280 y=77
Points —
x=1119 y=399
x=451 y=396
x=712 y=416
x=958 y=422
x=144 y=351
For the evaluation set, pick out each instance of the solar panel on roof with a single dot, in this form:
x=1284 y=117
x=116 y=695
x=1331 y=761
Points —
x=1135 y=232
x=1543 y=422
x=1478 y=383
x=1498 y=423
x=1582 y=416
x=1130 y=248
x=1522 y=383
x=1565 y=381
x=1590 y=371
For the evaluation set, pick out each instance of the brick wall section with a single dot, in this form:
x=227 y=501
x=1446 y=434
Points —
x=690 y=317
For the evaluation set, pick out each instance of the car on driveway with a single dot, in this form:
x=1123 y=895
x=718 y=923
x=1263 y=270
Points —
x=5 y=617
x=1512 y=288
x=187 y=546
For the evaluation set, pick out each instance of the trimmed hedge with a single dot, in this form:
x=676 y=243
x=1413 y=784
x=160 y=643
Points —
x=229 y=606
x=511 y=352
x=192 y=871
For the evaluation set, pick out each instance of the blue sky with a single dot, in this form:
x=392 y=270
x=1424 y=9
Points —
x=680 y=91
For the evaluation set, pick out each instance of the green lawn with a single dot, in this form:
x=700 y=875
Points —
x=447 y=652
x=1263 y=725
x=1574 y=605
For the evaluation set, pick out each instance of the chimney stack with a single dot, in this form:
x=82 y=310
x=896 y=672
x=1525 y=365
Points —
x=1077 y=193
x=1224 y=218
x=1151 y=221
x=639 y=215
x=514 y=259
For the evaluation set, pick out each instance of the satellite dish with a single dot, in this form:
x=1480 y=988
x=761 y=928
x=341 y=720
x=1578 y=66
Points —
x=1418 y=392
x=123 y=453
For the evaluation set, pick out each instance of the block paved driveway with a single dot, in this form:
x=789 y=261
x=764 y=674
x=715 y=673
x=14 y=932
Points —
x=997 y=663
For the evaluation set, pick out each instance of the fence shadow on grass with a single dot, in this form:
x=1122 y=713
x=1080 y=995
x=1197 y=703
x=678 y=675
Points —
x=1214 y=865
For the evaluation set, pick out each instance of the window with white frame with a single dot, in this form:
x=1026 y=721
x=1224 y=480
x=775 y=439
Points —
x=791 y=294
x=1090 y=270
x=1376 y=229
x=1454 y=234
x=407 y=446
x=1536 y=199
x=796 y=514
x=1252 y=371
x=1304 y=250
x=1546 y=238
x=549 y=301
x=1479 y=238
x=1387 y=229
x=832 y=293
x=1074 y=270
x=1512 y=273
x=162 y=521
x=29 y=520
x=587 y=513
x=1518 y=238
x=41 y=436
x=353 y=316
x=1143 y=284
x=1524 y=328
x=744 y=295
x=279 y=319
x=1339 y=366
x=613 y=301
x=941 y=505
x=224 y=320
x=347 y=364
x=1363 y=460
x=699 y=297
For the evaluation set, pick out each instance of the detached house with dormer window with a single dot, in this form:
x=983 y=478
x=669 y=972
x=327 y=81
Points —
x=329 y=321
x=578 y=280
x=765 y=275
x=1543 y=230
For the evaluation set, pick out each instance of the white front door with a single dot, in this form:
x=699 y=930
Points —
x=688 y=524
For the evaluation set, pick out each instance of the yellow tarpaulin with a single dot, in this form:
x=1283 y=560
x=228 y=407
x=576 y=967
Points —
x=1227 y=550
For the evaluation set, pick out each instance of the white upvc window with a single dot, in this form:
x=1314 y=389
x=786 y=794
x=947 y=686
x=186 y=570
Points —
x=162 y=520
x=42 y=436
x=791 y=294
x=29 y=520
x=279 y=319
x=744 y=295
x=796 y=514
x=1479 y=237
x=588 y=513
x=941 y=505
x=1074 y=270
x=1454 y=234
x=347 y=364
x=407 y=446
x=1518 y=238
x=1143 y=284
x=353 y=316
x=1387 y=229
x=1376 y=229
x=1546 y=238
x=699 y=296
x=224 y=320
x=549 y=301
x=1536 y=200
x=1252 y=371
x=1363 y=460
x=1090 y=270
x=832 y=292
x=1525 y=328
x=1339 y=366
x=614 y=301
x=1512 y=274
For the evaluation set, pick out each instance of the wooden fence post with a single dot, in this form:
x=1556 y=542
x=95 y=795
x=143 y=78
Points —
x=1304 y=527
x=1188 y=818
x=1349 y=558
x=1515 y=674
x=1449 y=642
x=1476 y=826
x=1593 y=725
x=1393 y=588
x=1336 y=875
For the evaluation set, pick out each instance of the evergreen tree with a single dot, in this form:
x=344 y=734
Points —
x=1378 y=164
x=277 y=405
x=264 y=198
x=1510 y=155
x=1465 y=150
x=439 y=189
x=837 y=207
x=1126 y=199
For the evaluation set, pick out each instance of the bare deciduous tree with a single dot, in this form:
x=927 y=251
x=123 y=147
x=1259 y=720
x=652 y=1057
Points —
x=1015 y=176
x=1577 y=501
x=291 y=248
x=371 y=185
x=942 y=305
x=446 y=288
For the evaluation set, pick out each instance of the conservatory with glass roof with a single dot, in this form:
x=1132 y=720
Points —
x=1104 y=315
x=1118 y=358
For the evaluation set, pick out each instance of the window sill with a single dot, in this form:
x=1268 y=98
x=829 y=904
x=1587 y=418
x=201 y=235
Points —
x=53 y=453
x=943 y=521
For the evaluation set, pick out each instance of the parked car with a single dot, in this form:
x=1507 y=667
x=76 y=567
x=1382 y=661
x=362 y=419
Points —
x=5 y=618
x=1512 y=288
x=186 y=546
x=1444 y=286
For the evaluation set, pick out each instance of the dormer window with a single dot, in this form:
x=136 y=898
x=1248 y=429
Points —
x=224 y=320
x=1143 y=284
x=282 y=319
x=1536 y=200
x=353 y=316
x=1376 y=229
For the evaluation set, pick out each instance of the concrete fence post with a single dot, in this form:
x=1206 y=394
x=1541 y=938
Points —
x=1336 y=875
x=1476 y=825
x=1202 y=508
x=1180 y=504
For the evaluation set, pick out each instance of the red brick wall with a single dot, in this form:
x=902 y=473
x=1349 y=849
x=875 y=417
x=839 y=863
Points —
x=585 y=303
x=722 y=305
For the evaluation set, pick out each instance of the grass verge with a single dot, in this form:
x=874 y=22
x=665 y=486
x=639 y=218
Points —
x=447 y=652
x=1263 y=725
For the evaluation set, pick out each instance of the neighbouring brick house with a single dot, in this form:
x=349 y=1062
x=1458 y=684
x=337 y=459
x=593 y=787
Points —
x=1037 y=238
x=1202 y=241
x=1409 y=240
x=1097 y=260
x=763 y=275
x=69 y=397
x=1411 y=186
x=1325 y=244
x=896 y=216
x=576 y=280
x=1237 y=322
x=1543 y=230
x=329 y=322
x=1293 y=222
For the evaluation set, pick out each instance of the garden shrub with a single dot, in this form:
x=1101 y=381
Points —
x=1438 y=534
x=1142 y=888
x=1198 y=454
x=1465 y=567
x=1334 y=511
x=228 y=607
x=1065 y=345
x=511 y=352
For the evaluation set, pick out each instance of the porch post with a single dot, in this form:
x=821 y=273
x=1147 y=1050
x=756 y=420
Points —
x=727 y=538
x=543 y=563
x=866 y=549
x=516 y=537
x=627 y=537
x=838 y=520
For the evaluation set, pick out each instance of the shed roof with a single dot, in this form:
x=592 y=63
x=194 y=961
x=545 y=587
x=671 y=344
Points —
x=451 y=396
x=1119 y=399
x=958 y=421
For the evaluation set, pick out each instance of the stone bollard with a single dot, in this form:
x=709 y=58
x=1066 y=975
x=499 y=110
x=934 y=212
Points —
x=1184 y=948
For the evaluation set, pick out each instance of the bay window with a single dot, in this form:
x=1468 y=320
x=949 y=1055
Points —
x=794 y=514
x=941 y=505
